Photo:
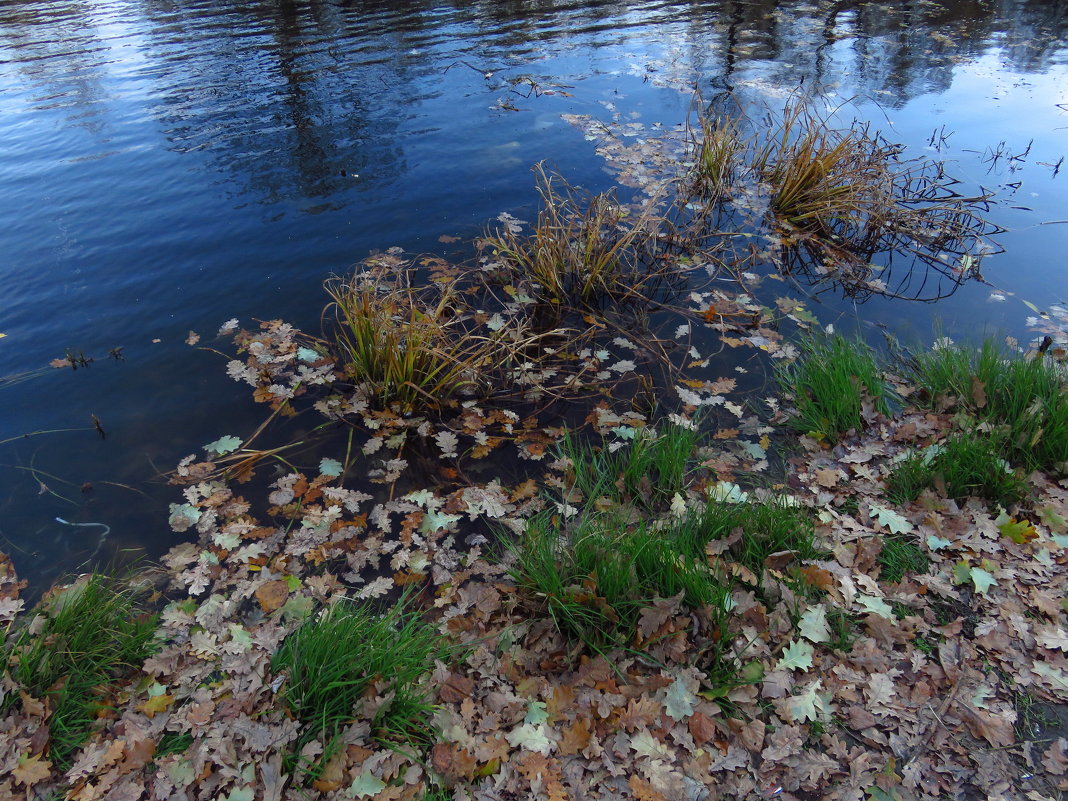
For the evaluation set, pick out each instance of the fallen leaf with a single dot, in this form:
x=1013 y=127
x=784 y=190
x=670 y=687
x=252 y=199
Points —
x=32 y=770
x=796 y=656
x=813 y=624
x=272 y=594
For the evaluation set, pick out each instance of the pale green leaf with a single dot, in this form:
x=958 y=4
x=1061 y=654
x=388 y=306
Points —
x=529 y=736
x=726 y=492
x=330 y=467
x=241 y=637
x=226 y=541
x=1054 y=521
x=891 y=519
x=239 y=794
x=796 y=656
x=436 y=521
x=536 y=712
x=1057 y=677
x=805 y=706
x=982 y=580
x=307 y=355
x=679 y=701
x=936 y=543
x=223 y=445
x=876 y=606
x=364 y=785
x=813 y=624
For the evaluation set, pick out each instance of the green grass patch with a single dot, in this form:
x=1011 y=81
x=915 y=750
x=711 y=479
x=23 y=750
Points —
x=596 y=575
x=331 y=662
x=1027 y=397
x=900 y=557
x=967 y=464
x=828 y=384
x=765 y=527
x=645 y=470
x=74 y=651
x=172 y=743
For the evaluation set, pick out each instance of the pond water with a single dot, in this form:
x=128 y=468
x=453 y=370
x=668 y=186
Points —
x=170 y=164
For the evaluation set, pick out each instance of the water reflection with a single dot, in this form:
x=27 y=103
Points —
x=169 y=164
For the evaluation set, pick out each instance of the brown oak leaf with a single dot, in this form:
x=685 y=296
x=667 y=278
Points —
x=643 y=790
x=272 y=594
x=32 y=770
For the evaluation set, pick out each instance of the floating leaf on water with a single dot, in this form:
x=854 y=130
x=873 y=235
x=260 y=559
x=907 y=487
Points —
x=307 y=355
x=223 y=445
x=330 y=467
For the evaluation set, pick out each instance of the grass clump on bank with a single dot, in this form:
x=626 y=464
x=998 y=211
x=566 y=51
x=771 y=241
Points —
x=596 y=576
x=763 y=527
x=648 y=470
x=899 y=557
x=331 y=662
x=966 y=464
x=829 y=384
x=73 y=653
x=1025 y=398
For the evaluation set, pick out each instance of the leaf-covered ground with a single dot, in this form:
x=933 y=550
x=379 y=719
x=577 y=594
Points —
x=933 y=687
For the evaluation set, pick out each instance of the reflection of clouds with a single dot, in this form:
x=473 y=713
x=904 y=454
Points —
x=55 y=57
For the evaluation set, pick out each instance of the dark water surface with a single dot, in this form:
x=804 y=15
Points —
x=168 y=165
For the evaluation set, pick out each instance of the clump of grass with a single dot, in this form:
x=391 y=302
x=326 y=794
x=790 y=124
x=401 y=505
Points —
x=765 y=527
x=647 y=470
x=77 y=646
x=595 y=576
x=407 y=348
x=1027 y=397
x=582 y=251
x=829 y=383
x=840 y=194
x=331 y=662
x=834 y=183
x=172 y=743
x=719 y=147
x=899 y=557
x=967 y=464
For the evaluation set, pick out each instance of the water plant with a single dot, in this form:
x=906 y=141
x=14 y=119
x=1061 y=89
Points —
x=829 y=384
x=583 y=250
x=74 y=651
x=840 y=197
x=407 y=347
x=330 y=662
